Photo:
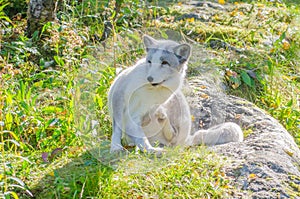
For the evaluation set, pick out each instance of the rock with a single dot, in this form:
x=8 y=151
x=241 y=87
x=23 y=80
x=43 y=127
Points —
x=267 y=163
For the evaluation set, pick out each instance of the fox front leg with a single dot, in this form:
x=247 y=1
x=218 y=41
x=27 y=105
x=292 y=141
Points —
x=136 y=134
x=116 y=145
x=162 y=118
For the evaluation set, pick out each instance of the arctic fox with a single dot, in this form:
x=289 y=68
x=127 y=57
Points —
x=148 y=108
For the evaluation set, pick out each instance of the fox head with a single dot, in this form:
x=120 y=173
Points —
x=166 y=62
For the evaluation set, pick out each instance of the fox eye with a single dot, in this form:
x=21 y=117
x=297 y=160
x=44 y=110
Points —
x=165 y=63
x=149 y=61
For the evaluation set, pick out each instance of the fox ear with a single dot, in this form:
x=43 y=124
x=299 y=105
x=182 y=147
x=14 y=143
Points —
x=148 y=41
x=183 y=51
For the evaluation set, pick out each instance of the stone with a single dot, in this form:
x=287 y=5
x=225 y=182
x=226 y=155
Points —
x=267 y=163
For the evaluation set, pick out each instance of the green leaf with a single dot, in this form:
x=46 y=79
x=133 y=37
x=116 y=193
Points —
x=46 y=26
x=246 y=79
x=290 y=103
x=13 y=194
x=25 y=106
x=3 y=6
x=8 y=120
x=280 y=39
x=52 y=109
x=28 y=95
x=6 y=19
x=282 y=36
x=22 y=91
x=59 y=60
x=33 y=101
x=164 y=34
x=9 y=98
x=99 y=101
x=39 y=135
x=38 y=83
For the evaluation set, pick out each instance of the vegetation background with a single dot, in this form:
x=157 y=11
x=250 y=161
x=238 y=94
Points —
x=255 y=45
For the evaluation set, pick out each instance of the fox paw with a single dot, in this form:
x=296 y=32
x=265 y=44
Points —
x=156 y=151
x=161 y=114
x=116 y=149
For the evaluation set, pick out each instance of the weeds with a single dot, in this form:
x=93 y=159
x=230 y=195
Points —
x=3 y=17
x=195 y=173
x=10 y=159
x=254 y=44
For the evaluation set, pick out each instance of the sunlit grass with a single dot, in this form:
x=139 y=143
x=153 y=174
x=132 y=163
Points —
x=41 y=153
x=189 y=173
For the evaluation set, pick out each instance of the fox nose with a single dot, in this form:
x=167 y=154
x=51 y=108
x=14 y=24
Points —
x=150 y=79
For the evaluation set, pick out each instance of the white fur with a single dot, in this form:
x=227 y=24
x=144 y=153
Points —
x=148 y=107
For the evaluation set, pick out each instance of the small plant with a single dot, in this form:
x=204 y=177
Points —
x=3 y=17
x=11 y=185
x=256 y=50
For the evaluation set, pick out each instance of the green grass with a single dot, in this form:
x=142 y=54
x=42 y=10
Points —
x=189 y=173
x=49 y=84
